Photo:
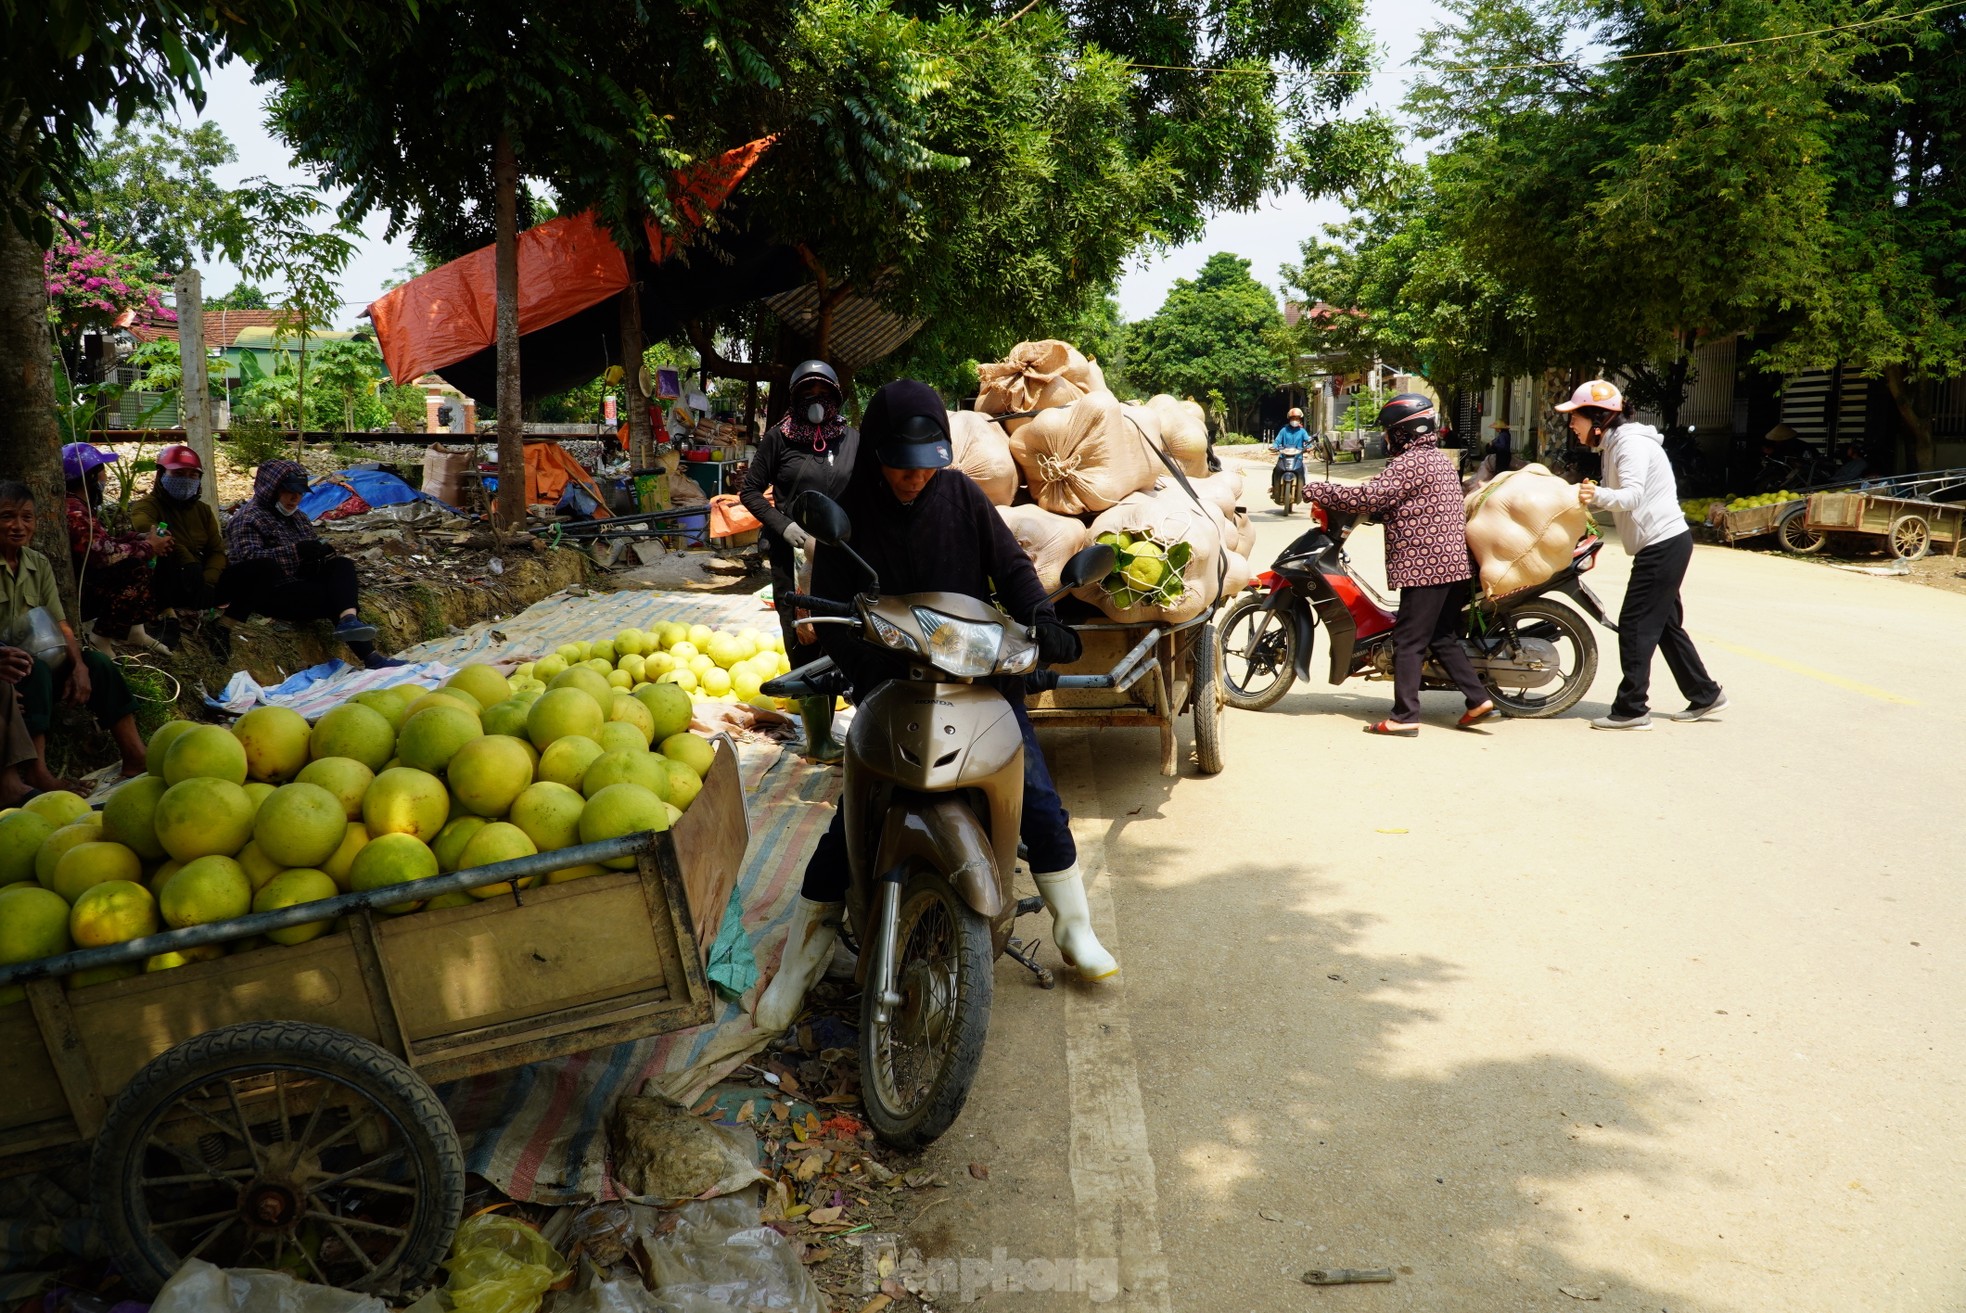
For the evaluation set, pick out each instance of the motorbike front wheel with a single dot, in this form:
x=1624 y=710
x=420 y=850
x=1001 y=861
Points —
x=1286 y=492
x=1576 y=655
x=917 y=1067
x=1258 y=653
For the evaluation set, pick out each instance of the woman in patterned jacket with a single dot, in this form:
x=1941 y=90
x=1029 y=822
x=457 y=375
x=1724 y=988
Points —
x=1418 y=498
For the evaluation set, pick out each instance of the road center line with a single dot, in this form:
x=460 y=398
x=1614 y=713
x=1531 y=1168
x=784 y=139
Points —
x=1797 y=668
x=1116 y=1206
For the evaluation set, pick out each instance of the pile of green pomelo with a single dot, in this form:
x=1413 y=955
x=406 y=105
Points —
x=394 y=785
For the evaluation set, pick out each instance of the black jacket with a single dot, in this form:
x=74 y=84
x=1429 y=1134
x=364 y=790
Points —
x=950 y=540
x=788 y=469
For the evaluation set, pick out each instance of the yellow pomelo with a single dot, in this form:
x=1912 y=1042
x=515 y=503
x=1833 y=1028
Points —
x=498 y=842
x=301 y=825
x=619 y=736
x=507 y=717
x=683 y=653
x=482 y=683
x=635 y=667
x=563 y=711
x=489 y=772
x=521 y=671
x=112 y=913
x=700 y=636
x=675 y=813
x=160 y=743
x=393 y=859
x=601 y=649
x=548 y=666
x=33 y=924
x=701 y=665
x=668 y=708
x=656 y=665
x=549 y=814
x=275 y=740
x=455 y=698
x=571 y=653
x=259 y=791
x=693 y=752
x=162 y=875
x=630 y=642
x=353 y=839
x=745 y=683
x=290 y=889
x=684 y=783
x=726 y=650
x=87 y=865
x=205 y=752
x=432 y=736
x=636 y=766
x=584 y=648
x=575 y=872
x=59 y=807
x=385 y=703
x=682 y=677
x=455 y=898
x=716 y=682
x=669 y=633
x=589 y=681
x=527 y=690
x=450 y=841
x=405 y=801
x=621 y=809
x=129 y=817
x=202 y=816
x=183 y=957
x=566 y=760
x=21 y=835
x=207 y=890
x=347 y=779
x=259 y=868
x=353 y=730
x=620 y=680
x=55 y=846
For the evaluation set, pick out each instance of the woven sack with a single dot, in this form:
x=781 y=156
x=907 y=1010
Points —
x=1084 y=457
x=1168 y=517
x=1523 y=527
x=1036 y=376
x=1049 y=540
x=983 y=453
x=1183 y=433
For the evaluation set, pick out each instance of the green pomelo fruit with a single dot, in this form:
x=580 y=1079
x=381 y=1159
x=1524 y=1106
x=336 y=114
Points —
x=301 y=825
x=276 y=743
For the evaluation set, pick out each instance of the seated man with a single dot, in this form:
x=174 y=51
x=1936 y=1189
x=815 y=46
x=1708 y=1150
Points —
x=27 y=581
x=278 y=567
x=22 y=773
x=187 y=575
x=926 y=528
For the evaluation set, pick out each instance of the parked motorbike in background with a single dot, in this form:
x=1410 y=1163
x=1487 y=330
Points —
x=1536 y=656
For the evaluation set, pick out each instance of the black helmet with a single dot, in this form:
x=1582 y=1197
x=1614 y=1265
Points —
x=1406 y=417
x=819 y=369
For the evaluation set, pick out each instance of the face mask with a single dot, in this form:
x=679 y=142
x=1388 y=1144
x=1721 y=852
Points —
x=181 y=487
x=285 y=509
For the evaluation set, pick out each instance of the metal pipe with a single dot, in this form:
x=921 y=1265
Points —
x=258 y=923
x=1112 y=681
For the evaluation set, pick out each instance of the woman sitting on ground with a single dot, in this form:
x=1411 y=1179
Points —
x=112 y=570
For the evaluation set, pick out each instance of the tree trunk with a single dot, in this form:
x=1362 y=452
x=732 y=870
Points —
x=194 y=382
x=641 y=436
x=30 y=441
x=510 y=510
x=1912 y=401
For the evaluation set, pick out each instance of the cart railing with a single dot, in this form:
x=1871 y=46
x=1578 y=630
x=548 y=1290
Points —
x=1136 y=664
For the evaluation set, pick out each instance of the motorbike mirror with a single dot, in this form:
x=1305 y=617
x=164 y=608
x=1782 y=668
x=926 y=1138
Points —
x=821 y=516
x=1088 y=566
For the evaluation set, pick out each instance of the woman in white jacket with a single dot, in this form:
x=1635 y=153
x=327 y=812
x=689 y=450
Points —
x=1640 y=493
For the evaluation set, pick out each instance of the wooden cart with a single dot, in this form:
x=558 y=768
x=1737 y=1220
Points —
x=1909 y=526
x=1143 y=676
x=272 y=1107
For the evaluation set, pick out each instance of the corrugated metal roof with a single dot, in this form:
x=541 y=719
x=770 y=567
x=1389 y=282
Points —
x=864 y=331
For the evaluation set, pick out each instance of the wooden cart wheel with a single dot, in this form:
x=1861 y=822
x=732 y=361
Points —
x=1207 y=703
x=1795 y=535
x=281 y=1145
x=1910 y=537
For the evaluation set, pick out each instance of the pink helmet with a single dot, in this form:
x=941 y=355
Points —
x=1599 y=392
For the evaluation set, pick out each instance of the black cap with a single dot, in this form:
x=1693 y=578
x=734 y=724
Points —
x=909 y=427
x=294 y=480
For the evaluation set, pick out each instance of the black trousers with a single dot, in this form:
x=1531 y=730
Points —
x=181 y=585
x=318 y=591
x=1427 y=619
x=1652 y=620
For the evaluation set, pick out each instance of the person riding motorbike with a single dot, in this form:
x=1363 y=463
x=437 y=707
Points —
x=1418 y=495
x=1293 y=436
x=812 y=449
x=924 y=527
x=1640 y=492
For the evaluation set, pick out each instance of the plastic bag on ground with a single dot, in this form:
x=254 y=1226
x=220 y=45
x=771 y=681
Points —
x=662 y=1152
x=198 y=1287
x=1084 y=457
x=500 y=1265
x=1189 y=540
x=718 y=1257
x=1049 y=540
x=1523 y=527
x=1036 y=376
x=1183 y=433
x=982 y=451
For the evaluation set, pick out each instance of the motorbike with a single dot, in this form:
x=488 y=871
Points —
x=1287 y=479
x=932 y=806
x=1535 y=655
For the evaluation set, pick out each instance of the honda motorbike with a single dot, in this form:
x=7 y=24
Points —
x=1536 y=656
x=932 y=805
x=1287 y=480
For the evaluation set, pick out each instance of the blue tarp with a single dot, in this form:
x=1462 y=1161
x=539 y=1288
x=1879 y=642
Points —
x=376 y=487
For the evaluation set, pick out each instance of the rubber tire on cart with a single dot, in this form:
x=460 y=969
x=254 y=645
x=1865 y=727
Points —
x=1795 y=535
x=429 y=1164
x=1282 y=627
x=1206 y=703
x=1910 y=537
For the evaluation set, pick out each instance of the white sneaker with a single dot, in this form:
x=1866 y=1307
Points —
x=1071 y=924
x=808 y=952
x=1719 y=703
x=1643 y=720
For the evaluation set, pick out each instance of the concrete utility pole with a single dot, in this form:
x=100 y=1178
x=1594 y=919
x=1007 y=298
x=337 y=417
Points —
x=195 y=406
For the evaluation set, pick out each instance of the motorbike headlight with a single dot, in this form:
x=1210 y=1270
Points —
x=961 y=647
x=894 y=637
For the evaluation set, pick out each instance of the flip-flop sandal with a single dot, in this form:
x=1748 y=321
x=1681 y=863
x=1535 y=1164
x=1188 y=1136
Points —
x=1475 y=715
x=1392 y=729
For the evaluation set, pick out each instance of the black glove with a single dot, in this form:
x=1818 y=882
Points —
x=313 y=551
x=1058 y=645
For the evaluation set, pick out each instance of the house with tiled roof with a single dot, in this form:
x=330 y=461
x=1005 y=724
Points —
x=231 y=338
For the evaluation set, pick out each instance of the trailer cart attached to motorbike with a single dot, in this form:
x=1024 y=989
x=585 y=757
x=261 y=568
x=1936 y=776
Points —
x=1146 y=677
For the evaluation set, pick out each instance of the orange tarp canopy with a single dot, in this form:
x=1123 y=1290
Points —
x=565 y=265
x=549 y=469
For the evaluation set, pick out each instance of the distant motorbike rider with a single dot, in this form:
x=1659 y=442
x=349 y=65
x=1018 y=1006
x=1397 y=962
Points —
x=1418 y=497
x=1642 y=495
x=812 y=449
x=1293 y=436
x=926 y=528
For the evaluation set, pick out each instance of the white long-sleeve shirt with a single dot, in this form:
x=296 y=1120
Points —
x=1639 y=489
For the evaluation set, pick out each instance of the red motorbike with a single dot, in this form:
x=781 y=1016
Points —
x=1536 y=656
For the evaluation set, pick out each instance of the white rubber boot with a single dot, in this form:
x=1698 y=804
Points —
x=808 y=951
x=1071 y=924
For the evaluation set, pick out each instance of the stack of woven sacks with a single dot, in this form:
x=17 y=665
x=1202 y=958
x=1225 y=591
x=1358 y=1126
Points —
x=1067 y=463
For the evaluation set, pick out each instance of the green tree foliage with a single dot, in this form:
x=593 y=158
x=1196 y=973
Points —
x=150 y=185
x=244 y=295
x=1218 y=331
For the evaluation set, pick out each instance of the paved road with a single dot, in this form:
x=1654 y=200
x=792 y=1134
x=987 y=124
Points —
x=1673 y=1019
